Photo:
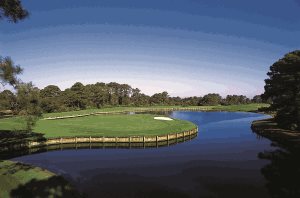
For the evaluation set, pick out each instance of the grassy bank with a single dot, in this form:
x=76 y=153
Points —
x=115 y=125
x=270 y=129
x=21 y=180
x=244 y=107
x=102 y=125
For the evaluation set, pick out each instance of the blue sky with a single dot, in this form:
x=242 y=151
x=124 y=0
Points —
x=186 y=47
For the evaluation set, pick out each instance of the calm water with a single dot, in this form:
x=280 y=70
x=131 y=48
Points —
x=221 y=162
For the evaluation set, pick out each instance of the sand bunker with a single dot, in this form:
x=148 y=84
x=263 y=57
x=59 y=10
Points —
x=162 y=118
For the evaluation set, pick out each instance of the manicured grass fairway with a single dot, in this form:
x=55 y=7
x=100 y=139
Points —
x=13 y=174
x=13 y=124
x=115 y=125
x=111 y=125
x=244 y=107
x=102 y=125
x=22 y=180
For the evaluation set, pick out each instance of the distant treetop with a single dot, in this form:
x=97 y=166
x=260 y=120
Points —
x=13 y=10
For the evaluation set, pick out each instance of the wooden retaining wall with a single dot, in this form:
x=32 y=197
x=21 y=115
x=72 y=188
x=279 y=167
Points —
x=111 y=145
x=116 y=140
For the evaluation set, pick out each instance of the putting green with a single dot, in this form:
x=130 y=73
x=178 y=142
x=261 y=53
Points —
x=103 y=125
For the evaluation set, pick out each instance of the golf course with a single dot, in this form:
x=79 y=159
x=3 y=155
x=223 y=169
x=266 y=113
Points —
x=252 y=107
x=113 y=121
x=102 y=125
x=149 y=99
x=22 y=180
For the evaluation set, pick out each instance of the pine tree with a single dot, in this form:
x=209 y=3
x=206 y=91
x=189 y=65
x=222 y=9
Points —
x=283 y=88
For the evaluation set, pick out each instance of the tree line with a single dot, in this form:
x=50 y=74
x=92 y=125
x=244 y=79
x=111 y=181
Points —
x=98 y=95
x=29 y=100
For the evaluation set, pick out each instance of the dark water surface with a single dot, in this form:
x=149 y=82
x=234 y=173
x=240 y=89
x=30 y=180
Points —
x=222 y=161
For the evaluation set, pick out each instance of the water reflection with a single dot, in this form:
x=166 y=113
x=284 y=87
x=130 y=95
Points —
x=197 y=179
x=8 y=151
x=225 y=160
x=220 y=162
x=283 y=171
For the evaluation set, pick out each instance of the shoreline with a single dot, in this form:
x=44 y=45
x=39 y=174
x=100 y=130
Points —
x=8 y=155
x=269 y=129
x=151 y=140
x=25 y=180
x=116 y=139
x=146 y=110
x=253 y=107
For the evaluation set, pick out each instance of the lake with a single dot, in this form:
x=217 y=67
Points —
x=226 y=159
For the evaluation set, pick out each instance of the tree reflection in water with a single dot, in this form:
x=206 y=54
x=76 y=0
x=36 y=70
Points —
x=283 y=173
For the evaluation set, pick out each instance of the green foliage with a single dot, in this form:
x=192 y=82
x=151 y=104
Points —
x=101 y=95
x=257 y=99
x=51 y=91
x=97 y=94
x=13 y=10
x=160 y=98
x=138 y=98
x=191 y=101
x=50 y=99
x=119 y=94
x=28 y=104
x=175 y=100
x=8 y=100
x=75 y=97
x=211 y=99
x=236 y=99
x=283 y=88
x=9 y=71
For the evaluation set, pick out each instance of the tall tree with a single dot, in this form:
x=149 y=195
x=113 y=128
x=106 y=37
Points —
x=113 y=93
x=13 y=10
x=192 y=101
x=51 y=91
x=236 y=99
x=8 y=100
x=283 y=88
x=76 y=97
x=50 y=99
x=175 y=101
x=211 y=99
x=97 y=94
x=124 y=94
x=160 y=98
x=138 y=98
x=9 y=71
x=29 y=103
x=257 y=99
